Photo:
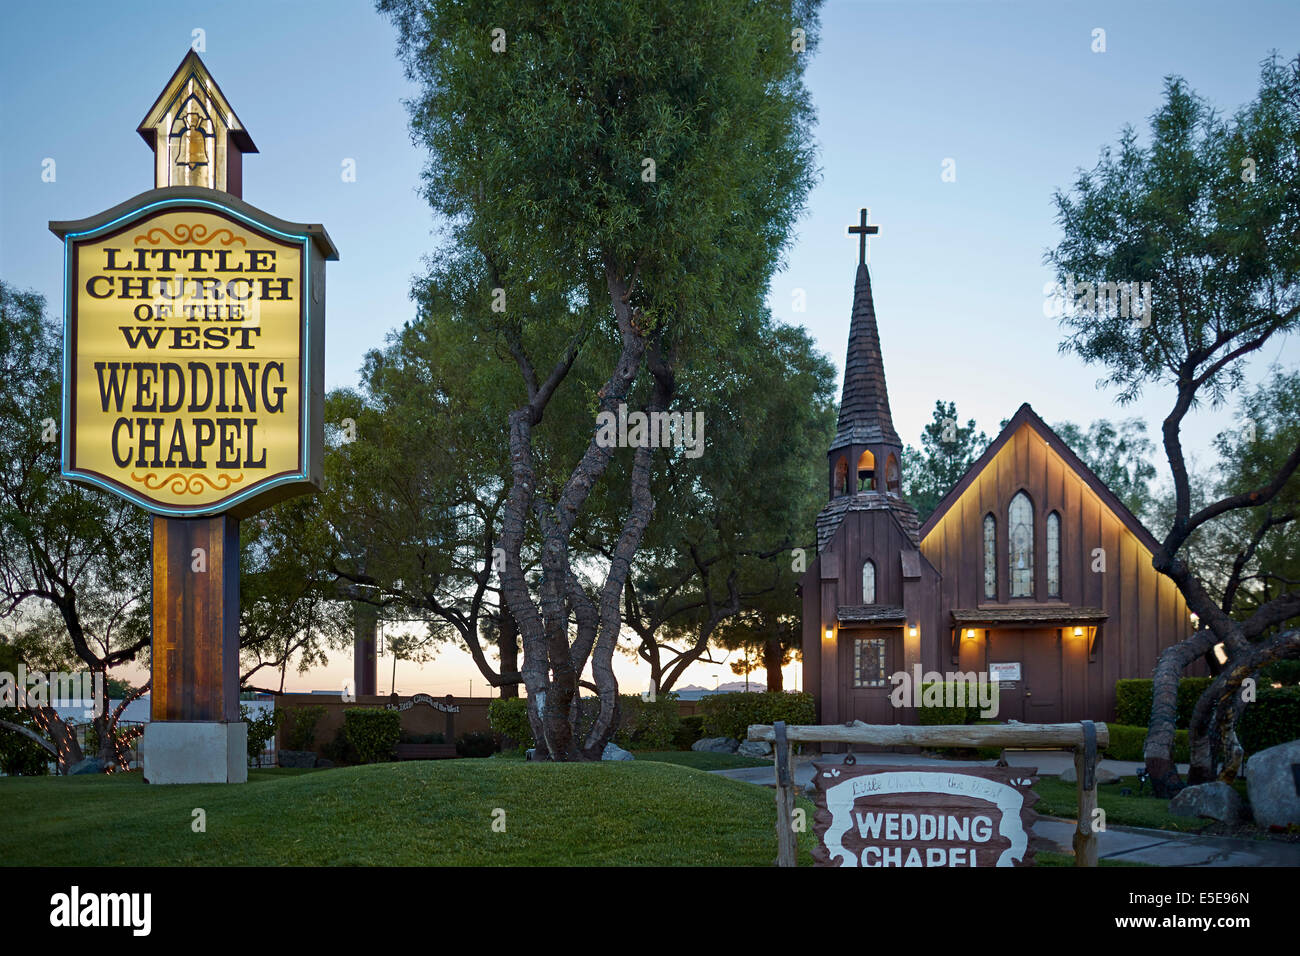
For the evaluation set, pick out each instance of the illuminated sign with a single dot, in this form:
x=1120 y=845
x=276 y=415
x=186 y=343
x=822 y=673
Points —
x=194 y=340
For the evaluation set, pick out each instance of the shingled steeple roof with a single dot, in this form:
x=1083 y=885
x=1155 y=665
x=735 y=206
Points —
x=865 y=418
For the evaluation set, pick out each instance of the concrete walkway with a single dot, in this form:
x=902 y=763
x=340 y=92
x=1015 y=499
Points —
x=1130 y=844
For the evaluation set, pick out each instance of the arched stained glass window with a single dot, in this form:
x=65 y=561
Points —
x=990 y=557
x=869 y=582
x=1020 y=536
x=1054 y=555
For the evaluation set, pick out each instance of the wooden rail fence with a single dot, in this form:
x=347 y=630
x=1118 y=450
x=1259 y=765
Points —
x=1085 y=738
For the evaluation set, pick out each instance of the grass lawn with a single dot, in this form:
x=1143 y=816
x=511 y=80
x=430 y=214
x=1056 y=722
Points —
x=419 y=813
x=701 y=760
x=1062 y=800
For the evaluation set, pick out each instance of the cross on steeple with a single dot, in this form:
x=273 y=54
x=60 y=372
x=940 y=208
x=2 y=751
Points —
x=862 y=230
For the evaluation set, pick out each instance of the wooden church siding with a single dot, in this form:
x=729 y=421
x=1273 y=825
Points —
x=1146 y=612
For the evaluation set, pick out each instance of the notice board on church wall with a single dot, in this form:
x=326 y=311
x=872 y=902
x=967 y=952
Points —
x=914 y=817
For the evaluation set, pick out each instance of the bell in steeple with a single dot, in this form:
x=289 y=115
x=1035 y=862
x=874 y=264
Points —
x=866 y=446
x=196 y=137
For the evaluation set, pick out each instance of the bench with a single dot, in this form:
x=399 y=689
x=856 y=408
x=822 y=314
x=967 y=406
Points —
x=426 y=751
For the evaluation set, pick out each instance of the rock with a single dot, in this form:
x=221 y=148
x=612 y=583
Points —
x=754 y=748
x=300 y=759
x=1214 y=801
x=323 y=764
x=614 y=752
x=1103 y=775
x=1273 y=785
x=716 y=745
x=87 y=765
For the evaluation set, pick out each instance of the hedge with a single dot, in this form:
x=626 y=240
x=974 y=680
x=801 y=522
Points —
x=1272 y=719
x=729 y=715
x=373 y=732
x=297 y=726
x=1126 y=743
x=689 y=730
x=647 y=724
x=508 y=716
x=1133 y=700
x=644 y=725
x=940 y=715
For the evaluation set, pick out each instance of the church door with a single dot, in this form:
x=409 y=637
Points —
x=867 y=658
x=1028 y=663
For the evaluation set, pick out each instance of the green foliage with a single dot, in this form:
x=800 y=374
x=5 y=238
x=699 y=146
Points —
x=647 y=724
x=1203 y=204
x=508 y=716
x=730 y=715
x=1286 y=673
x=340 y=750
x=941 y=715
x=1133 y=700
x=297 y=726
x=73 y=559
x=260 y=729
x=406 y=738
x=948 y=449
x=20 y=756
x=1127 y=740
x=1272 y=718
x=373 y=732
x=1120 y=455
x=476 y=743
x=689 y=730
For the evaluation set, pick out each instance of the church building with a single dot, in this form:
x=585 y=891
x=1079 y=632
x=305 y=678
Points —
x=1030 y=570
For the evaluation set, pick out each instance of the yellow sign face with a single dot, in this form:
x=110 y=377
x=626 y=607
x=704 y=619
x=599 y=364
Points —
x=186 y=385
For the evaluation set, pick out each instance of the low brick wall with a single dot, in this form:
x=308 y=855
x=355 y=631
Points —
x=419 y=718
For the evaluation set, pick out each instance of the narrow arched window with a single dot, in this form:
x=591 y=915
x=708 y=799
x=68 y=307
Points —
x=892 y=483
x=990 y=557
x=866 y=471
x=1020 y=537
x=1054 y=555
x=841 y=477
x=869 y=582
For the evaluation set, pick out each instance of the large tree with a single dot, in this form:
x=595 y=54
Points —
x=1206 y=211
x=80 y=554
x=618 y=184
x=1120 y=455
x=733 y=529
x=947 y=451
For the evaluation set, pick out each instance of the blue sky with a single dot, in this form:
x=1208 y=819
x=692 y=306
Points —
x=1010 y=91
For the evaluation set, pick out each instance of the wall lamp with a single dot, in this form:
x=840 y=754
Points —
x=911 y=631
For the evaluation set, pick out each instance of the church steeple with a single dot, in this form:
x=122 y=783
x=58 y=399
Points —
x=866 y=452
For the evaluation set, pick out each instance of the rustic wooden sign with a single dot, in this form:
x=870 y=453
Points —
x=913 y=816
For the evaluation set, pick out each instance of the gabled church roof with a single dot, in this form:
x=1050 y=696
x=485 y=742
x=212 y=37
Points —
x=1026 y=415
x=865 y=418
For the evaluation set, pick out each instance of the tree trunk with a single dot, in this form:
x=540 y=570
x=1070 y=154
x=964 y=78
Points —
x=508 y=649
x=1158 y=751
x=773 y=654
x=1213 y=725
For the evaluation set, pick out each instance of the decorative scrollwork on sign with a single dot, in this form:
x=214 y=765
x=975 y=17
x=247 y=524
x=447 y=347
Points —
x=187 y=484
x=190 y=232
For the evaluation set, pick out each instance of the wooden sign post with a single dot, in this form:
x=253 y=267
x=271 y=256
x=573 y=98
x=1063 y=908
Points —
x=193 y=386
